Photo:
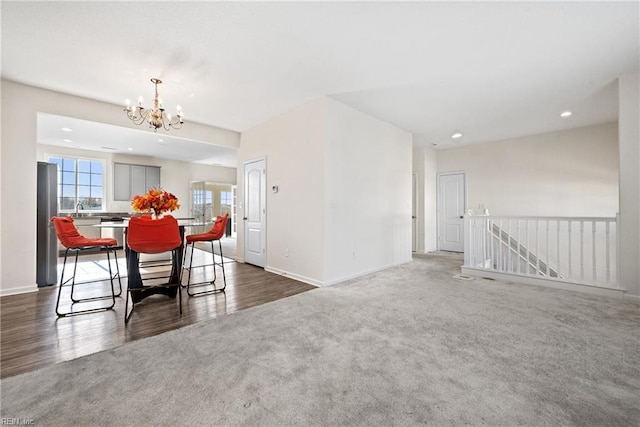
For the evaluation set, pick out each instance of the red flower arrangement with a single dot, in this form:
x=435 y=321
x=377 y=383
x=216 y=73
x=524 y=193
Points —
x=155 y=200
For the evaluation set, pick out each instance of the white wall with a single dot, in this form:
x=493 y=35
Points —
x=367 y=202
x=293 y=146
x=344 y=186
x=565 y=173
x=629 y=124
x=20 y=105
x=425 y=166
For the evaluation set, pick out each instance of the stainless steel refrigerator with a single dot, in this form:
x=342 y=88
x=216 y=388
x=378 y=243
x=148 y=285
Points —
x=47 y=242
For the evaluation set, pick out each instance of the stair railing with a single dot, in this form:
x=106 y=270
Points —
x=569 y=249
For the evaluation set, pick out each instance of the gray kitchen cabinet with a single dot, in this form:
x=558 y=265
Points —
x=138 y=180
x=152 y=175
x=121 y=182
x=129 y=180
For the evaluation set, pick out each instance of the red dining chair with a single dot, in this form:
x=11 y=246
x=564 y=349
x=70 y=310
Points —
x=215 y=234
x=146 y=236
x=72 y=240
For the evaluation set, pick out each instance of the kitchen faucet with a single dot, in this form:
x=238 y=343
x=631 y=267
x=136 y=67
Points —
x=79 y=206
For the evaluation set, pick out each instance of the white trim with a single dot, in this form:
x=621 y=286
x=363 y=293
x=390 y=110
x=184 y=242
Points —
x=244 y=207
x=567 y=286
x=464 y=209
x=415 y=212
x=16 y=291
x=294 y=276
x=319 y=283
x=364 y=273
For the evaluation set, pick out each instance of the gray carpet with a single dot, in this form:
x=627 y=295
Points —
x=406 y=346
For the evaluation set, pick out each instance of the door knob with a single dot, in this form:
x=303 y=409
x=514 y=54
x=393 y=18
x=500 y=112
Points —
x=461 y=216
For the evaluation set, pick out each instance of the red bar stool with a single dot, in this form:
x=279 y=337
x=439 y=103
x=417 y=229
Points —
x=215 y=234
x=72 y=240
x=146 y=236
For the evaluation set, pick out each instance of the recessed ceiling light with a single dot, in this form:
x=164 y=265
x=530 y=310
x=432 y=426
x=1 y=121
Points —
x=66 y=130
x=161 y=140
x=456 y=135
x=67 y=140
x=566 y=114
x=130 y=149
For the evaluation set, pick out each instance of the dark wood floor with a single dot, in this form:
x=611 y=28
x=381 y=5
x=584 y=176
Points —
x=32 y=336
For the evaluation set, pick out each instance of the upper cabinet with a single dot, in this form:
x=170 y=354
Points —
x=129 y=180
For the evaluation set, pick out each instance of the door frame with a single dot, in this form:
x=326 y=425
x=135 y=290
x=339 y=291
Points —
x=414 y=212
x=439 y=202
x=244 y=207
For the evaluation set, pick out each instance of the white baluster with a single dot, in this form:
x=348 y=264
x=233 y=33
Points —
x=608 y=246
x=558 y=243
x=593 y=246
x=537 y=249
x=526 y=238
x=581 y=250
x=548 y=261
x=501 y=244
x=510 y=266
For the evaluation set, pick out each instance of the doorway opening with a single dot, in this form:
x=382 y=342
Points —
x=212 y=199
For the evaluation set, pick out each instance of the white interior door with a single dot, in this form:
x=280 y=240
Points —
x=414 y=210
x=255 y=212
x=451 y=207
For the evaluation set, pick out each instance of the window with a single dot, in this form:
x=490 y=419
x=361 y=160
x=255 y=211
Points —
x=79 y=184
x=225 y=197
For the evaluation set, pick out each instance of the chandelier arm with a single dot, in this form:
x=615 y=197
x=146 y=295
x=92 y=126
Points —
x=137 y=119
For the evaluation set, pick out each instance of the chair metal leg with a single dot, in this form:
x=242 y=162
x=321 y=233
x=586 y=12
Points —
x=74 y=300
x=127 y=315
x=115 y=256
x=73 y=281
x=224 y=277
x=210 y=282
x=64 y=264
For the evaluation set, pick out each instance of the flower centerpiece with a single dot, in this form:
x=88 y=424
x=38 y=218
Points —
x=155 y=200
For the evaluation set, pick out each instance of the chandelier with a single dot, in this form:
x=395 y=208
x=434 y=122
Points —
x=156 y=116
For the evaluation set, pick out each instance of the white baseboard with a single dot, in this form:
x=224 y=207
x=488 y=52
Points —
x=567 y=286
x=19 y=290
x=319 y=283
x=364 y=273
x=632 y=297
x=294 y=276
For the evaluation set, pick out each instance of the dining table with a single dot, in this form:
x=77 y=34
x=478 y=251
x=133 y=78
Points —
x=138 y=290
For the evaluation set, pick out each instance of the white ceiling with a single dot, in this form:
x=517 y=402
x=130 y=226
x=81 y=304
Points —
x=491 y=70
